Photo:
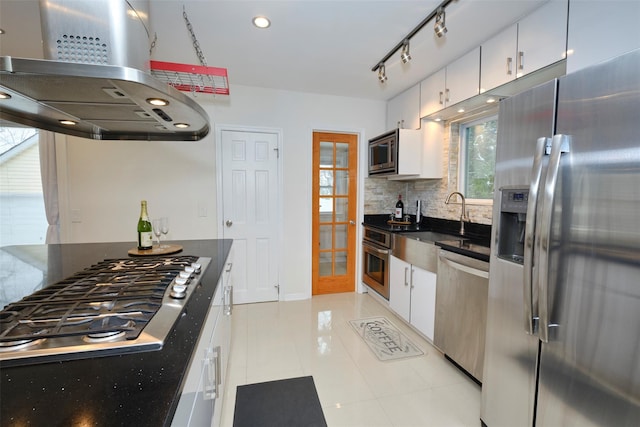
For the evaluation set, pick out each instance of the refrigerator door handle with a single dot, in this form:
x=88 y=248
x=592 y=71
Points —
x=559 y=145
x=530 y=311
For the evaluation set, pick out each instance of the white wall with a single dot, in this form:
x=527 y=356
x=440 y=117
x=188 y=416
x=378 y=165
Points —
x=102 y=183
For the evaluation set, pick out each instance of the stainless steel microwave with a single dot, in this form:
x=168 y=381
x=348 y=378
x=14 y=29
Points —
x=383 y=153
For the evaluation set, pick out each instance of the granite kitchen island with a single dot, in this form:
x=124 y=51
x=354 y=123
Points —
x=141 y=389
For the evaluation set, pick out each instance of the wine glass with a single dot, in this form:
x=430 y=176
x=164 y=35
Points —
x=164 y=226
x=157 y=229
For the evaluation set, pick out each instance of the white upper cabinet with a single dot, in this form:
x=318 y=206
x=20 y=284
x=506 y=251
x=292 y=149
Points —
x=498 y=59
x=538 y=40
x=403 y=111
x=588 y=44
x=456 y=82
x=463 y=78
x=420 y=153
x=432 y=93
x=542 y=37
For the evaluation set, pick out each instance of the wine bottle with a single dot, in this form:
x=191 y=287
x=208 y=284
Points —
x=399 y=213
x=145 y=231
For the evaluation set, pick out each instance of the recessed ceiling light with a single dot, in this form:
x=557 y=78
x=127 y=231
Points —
x=491 y=100
x=181 y=125
x=261 y=22
x=158 y=102
x=4 y=95
x=68 y=122
x=460 y=110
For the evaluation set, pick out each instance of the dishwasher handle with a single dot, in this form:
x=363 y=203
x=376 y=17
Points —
x=459 y=265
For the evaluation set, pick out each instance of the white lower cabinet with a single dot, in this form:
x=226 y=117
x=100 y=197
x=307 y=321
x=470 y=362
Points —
x=202 y=395
x=412 y=295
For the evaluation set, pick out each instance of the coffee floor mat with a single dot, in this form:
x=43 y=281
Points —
x=384 y=339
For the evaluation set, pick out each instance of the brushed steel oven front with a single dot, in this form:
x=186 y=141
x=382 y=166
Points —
x=375 y=265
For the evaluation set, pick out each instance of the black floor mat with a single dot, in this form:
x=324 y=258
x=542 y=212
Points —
x=283 y=403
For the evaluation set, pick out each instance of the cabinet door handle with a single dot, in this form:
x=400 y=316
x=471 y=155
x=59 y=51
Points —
x=441 y=100
x=218 y=354
x=509 y=66
x=228 y=300
x=465 y=268
x=210 y=389
x=447 y=97
x=412 y=270
x=212 y=379
x=521 y=60
x=405 y=276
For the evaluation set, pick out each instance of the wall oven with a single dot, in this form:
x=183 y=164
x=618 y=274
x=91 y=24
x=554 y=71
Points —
x=376 y=247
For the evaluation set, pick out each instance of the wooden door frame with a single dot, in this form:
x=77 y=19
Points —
x=219 y=128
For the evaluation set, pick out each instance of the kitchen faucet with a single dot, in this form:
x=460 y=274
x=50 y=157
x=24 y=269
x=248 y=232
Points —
x=463 y=214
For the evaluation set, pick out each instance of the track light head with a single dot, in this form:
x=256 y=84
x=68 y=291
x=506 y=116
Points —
x=439 y=27
x=405 y=56
x=382 y=74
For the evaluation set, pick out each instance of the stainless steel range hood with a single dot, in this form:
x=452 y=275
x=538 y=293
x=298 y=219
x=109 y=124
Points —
x=96 y=78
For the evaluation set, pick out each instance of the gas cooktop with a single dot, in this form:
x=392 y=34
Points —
x=113 y=307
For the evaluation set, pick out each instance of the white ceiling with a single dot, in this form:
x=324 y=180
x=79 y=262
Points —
x=319 y=46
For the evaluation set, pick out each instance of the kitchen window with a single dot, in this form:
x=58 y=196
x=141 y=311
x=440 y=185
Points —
x=23 y=219
x=477 y=161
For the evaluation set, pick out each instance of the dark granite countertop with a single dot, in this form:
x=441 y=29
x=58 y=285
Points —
x=468 y=248
x=140 y=389
x=474 y=243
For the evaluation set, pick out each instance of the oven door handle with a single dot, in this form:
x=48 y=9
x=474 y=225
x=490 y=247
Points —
x=370 y=248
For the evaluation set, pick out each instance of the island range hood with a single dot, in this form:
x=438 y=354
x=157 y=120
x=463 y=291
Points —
x=95 y=81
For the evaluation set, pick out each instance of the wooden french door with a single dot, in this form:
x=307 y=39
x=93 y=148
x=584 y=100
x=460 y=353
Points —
x=335 y=166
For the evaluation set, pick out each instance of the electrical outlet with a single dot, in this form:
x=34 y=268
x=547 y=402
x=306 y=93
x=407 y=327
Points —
x=75 y=216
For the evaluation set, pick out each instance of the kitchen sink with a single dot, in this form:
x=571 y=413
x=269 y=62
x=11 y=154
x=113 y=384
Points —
x=418 y=248
x=430 y=236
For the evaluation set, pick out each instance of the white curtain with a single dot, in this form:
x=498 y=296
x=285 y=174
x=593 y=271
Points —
x=49 y=173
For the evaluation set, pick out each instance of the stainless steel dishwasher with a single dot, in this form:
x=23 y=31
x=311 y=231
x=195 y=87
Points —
x=461 y=310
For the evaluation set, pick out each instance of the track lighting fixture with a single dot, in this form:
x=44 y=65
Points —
x=405 y=56
x=439 y=27
x=382 y=75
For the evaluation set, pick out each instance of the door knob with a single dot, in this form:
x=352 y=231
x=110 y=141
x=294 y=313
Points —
x=352 y=222
x=229 y=223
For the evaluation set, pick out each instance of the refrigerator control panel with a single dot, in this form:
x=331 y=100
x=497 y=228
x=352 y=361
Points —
x=515 y=200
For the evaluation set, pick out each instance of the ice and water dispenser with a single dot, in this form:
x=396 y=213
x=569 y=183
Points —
x=513 y=216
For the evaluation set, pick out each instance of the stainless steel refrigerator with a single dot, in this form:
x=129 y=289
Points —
x=563 y=323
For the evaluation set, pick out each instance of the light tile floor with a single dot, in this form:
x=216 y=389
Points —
x=279 y=340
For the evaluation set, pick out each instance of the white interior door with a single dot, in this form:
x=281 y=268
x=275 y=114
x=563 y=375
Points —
x=249 y=213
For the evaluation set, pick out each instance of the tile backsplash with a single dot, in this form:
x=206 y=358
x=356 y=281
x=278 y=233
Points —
x=380 y=194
